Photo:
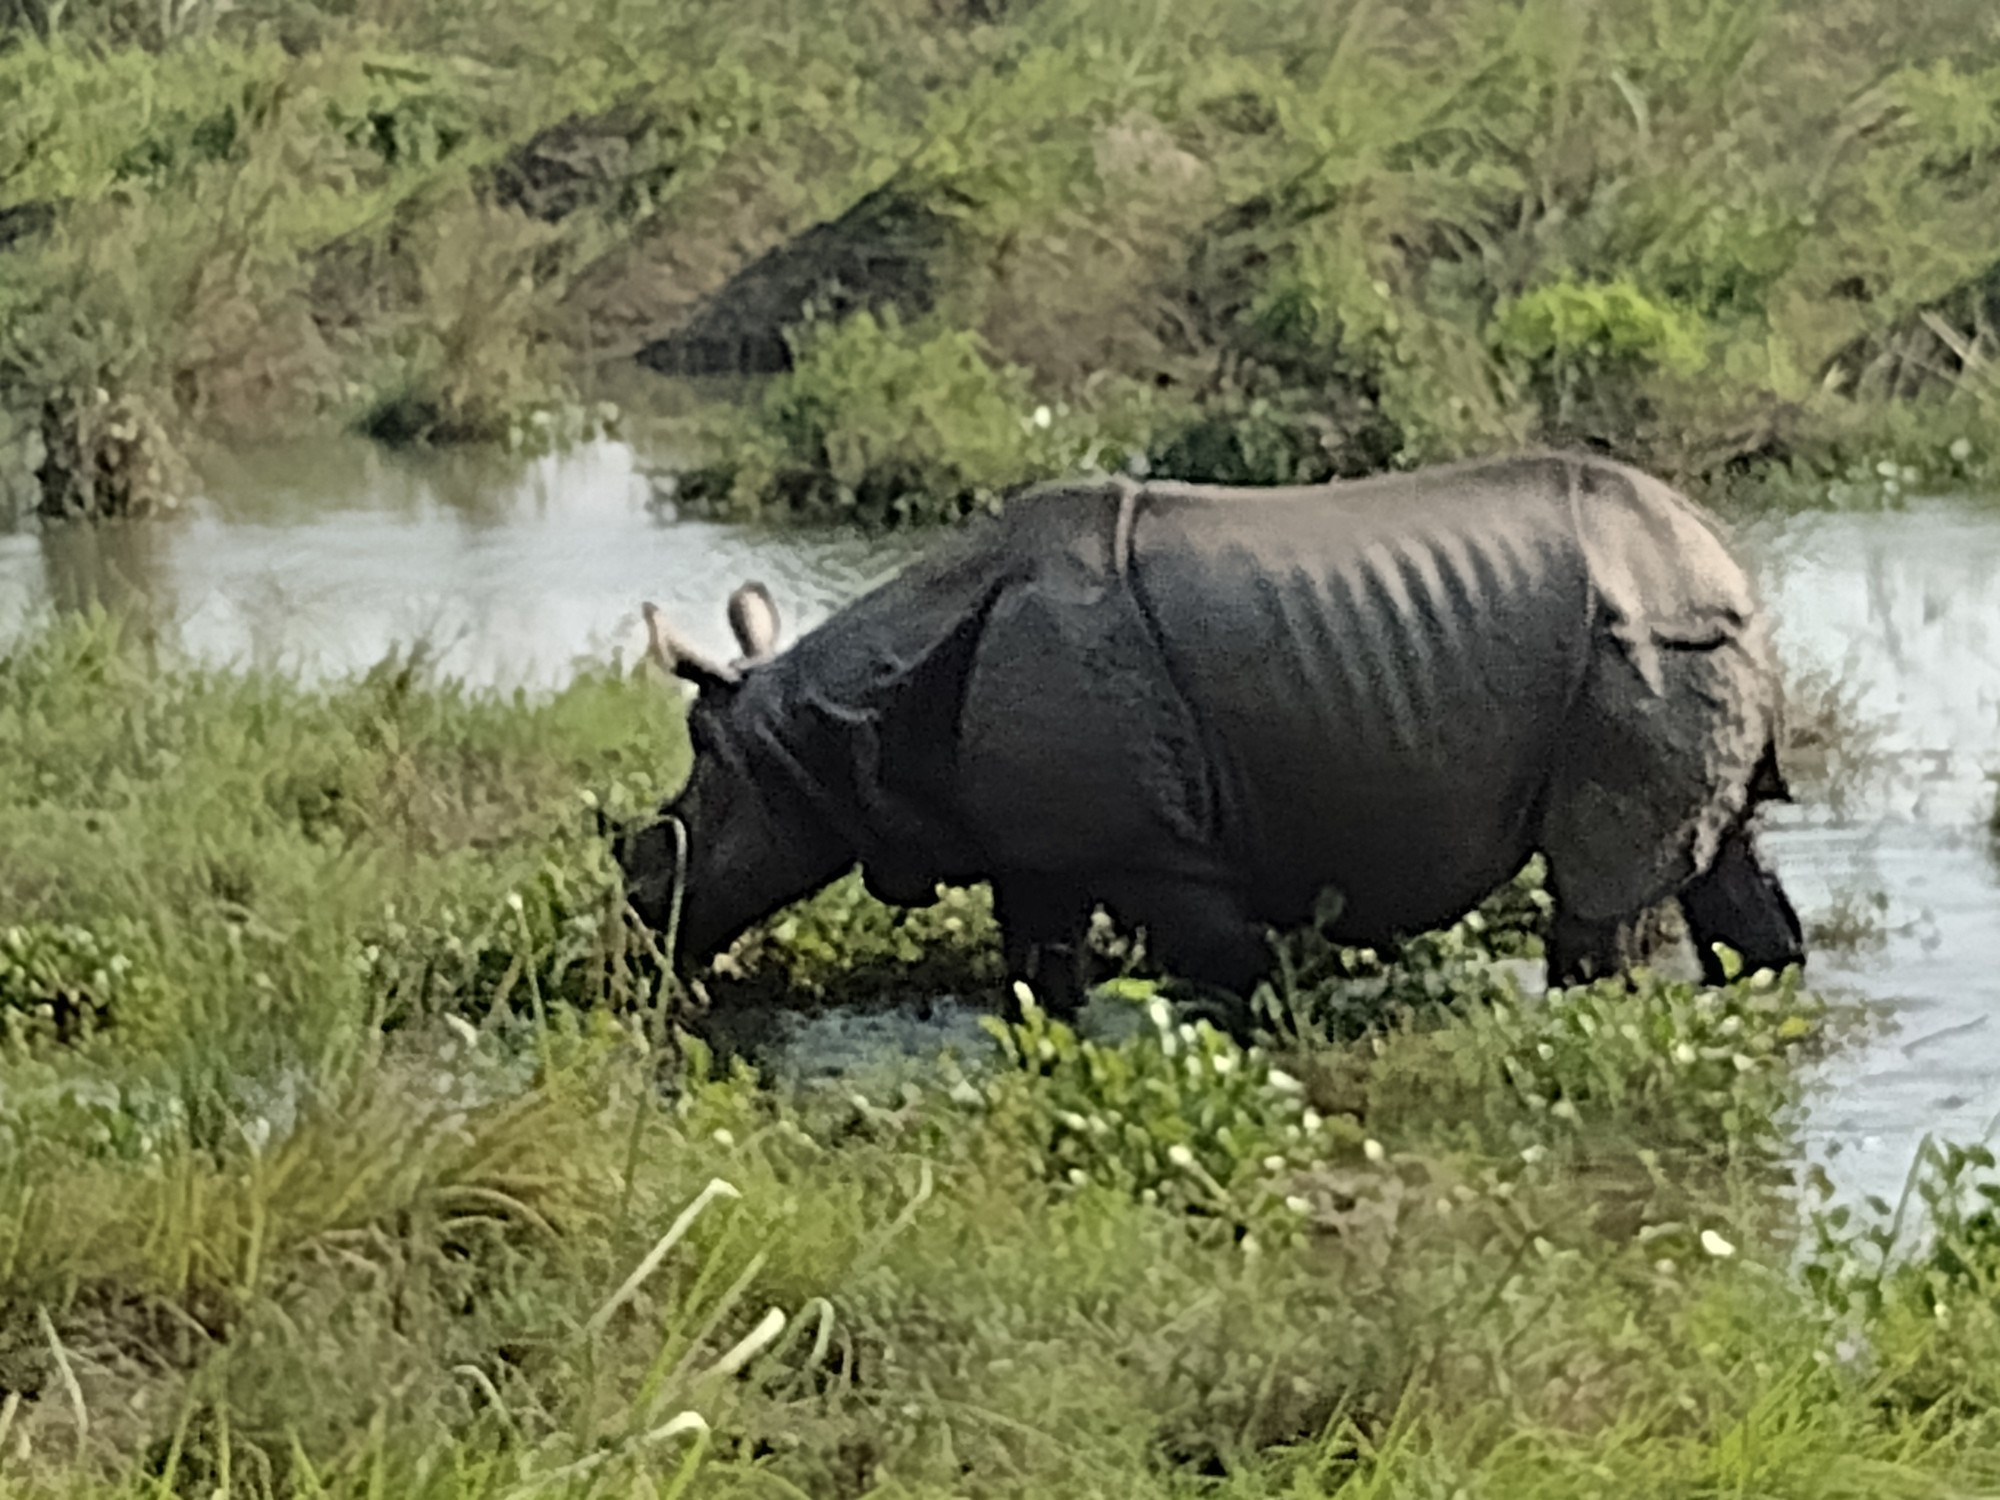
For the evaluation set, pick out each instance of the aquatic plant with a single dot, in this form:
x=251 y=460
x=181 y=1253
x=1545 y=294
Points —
x=381 y=1169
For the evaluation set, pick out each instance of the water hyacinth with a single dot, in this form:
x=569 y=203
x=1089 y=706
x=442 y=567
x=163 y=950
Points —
x=1179 y=1111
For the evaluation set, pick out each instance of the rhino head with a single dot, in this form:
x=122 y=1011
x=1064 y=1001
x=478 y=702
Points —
x=743 y=837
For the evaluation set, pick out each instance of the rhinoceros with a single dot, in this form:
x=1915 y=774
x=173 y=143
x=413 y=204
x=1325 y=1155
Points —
x=1205 y=708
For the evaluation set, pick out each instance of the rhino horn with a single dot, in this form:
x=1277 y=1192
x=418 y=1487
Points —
x=677 y=657
x=753 y=616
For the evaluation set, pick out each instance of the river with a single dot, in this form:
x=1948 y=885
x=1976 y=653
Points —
x=322 y=559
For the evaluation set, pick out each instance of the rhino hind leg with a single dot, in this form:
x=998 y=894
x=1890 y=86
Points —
x=1737 y=900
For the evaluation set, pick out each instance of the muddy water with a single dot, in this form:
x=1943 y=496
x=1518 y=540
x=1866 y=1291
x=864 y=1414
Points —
x=323 y=560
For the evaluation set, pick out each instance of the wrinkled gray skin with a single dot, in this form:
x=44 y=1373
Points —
x=1201 y=707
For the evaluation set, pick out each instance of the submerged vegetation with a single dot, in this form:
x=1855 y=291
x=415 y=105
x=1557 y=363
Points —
x=352 y=1147
x=972 y=244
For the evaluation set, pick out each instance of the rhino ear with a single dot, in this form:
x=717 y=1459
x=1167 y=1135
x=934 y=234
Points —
x=753 y=616
x=677 y=658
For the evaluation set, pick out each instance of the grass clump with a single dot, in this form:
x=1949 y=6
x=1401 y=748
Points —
x=1682 y=234
x=1745 y=245
x=890 y=425
x=373 y=1171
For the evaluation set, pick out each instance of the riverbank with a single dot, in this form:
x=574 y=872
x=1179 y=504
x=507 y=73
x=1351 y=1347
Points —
x=961 y=247
x=343 y=1157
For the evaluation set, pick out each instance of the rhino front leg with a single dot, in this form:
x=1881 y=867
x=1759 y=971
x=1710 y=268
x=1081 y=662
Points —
x=1739 y=902
x=1044 y=922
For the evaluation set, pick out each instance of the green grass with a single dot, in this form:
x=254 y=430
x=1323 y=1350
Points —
x=1749 y=244
x=327 y=1167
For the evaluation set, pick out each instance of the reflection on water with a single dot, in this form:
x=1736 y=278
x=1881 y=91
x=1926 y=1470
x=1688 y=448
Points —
x=325 y=562
x=114 y=567
x=1938 y=1070
x=1904 y=608
x=324 y=559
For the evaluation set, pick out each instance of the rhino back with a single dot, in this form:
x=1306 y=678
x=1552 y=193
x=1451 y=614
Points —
x=1380 y=669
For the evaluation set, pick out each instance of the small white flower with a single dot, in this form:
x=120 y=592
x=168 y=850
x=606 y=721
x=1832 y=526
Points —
x=1716 y=1245
x=724 y=1137
x=1684 y=1054
x=1961 y=449
x=1180 y=1156
x=1071 y=1120
x=1224 y=1064
x=1284 y=1083
x=1372 y=1149
x=1044 y=417
x=1078 y=1176
x=1534 y=1153
x=1297 y=1204
x=515 y=904
x=1274 y=1164
x=1562 y=1109
x=1311 y=1120
x=963 y=1092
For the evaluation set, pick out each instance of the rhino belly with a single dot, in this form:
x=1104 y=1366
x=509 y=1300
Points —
x=1383 y=690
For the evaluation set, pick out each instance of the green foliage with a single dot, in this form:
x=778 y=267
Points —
x=1696 y=231
x=1686 y=1069
x=843 y=941
x=368 y=1176
x=1180 y=1115
x=58 y=982
x=1569 y=334
x=891 y=423
x=247 y=840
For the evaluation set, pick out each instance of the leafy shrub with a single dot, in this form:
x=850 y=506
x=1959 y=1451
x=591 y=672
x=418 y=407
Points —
x=1569 y=332
x=60 y=983
x=843 y=941
x=888 y=422
x=1180 y=1115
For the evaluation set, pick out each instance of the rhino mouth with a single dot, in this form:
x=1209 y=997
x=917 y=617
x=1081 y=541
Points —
x=655 y=879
